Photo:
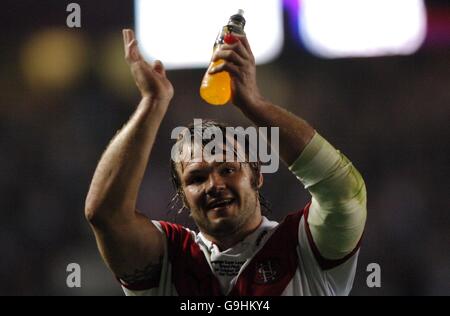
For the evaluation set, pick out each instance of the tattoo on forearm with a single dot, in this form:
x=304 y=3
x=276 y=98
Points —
x=150 y=273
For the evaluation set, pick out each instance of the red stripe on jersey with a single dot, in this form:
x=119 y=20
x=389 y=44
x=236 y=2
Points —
x=191 y=273
x=324 y=263
x=274 y=266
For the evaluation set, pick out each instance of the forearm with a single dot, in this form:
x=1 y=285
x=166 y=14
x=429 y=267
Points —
x=295 y=133
x=115 y=185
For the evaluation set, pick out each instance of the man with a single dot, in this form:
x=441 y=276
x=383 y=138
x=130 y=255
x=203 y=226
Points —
x=237 y=251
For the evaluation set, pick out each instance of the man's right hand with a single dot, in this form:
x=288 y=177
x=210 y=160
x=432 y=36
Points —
x=151 y=79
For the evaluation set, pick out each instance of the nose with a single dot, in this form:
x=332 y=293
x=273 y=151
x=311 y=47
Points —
x=215 y=184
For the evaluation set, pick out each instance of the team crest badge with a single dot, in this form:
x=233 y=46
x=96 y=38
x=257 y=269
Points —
x=268 y=271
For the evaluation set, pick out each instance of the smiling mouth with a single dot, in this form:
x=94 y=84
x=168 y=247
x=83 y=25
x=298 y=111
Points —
x=220 y=204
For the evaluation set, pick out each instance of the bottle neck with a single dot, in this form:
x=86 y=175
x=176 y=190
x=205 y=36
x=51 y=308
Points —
x=236 y=27
x=236 y=24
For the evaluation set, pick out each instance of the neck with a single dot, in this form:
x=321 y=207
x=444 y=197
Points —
x=229 y=240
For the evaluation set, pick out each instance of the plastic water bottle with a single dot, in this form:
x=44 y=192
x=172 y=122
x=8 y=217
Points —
x=216 y=89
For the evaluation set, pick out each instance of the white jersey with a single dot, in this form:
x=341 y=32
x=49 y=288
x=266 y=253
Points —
x=277 y=259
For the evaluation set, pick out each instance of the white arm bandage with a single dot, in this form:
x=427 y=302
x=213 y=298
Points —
x=338 y=210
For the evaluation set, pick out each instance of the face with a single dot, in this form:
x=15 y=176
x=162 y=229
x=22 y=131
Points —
x=221 y=195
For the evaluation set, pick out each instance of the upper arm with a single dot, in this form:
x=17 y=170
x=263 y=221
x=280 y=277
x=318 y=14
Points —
x=338 y=209
x=338 y=214
x=132 y=248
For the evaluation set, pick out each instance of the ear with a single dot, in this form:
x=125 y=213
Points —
x=260 y=181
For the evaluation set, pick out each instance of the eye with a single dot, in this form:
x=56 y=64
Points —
x=196 y=180
x=228 y=170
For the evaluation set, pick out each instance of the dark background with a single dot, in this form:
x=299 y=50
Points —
x=389 y=115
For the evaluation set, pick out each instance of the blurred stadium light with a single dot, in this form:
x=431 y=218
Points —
x=53 y=59
x=182 y=33
x=362 y=28
x=438 y=33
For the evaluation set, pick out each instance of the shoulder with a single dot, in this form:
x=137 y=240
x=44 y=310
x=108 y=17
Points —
x=178 y=237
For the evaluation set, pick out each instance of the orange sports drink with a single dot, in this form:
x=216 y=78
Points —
x=216 y=89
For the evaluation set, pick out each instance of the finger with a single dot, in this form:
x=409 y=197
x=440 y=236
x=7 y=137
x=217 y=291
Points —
x=132 y=44
x=130 y=34
x=246 y=44
x=125 y=40
x=128 y=37
x=226 y=66
x=229 y=55
x=132 y=53
x=239 y=48
x=158 y=66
